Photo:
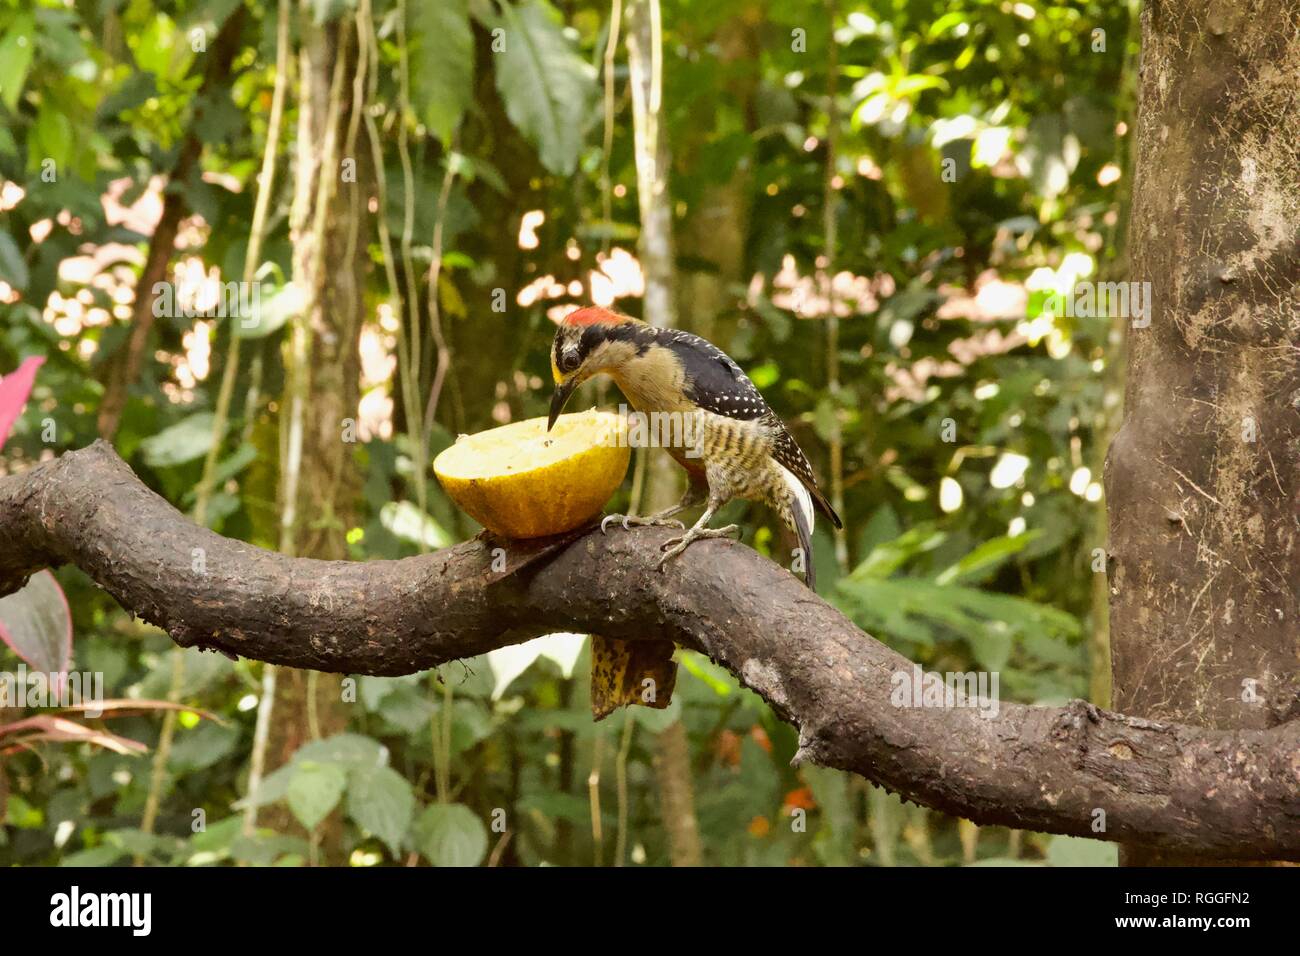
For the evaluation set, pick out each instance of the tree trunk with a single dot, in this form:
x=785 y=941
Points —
x=1203 y=477
x=655 y=248
x=331 y=227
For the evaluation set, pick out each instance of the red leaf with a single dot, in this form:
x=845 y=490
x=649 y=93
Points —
x=62 y=730
x=14 y=389
x=36 y=623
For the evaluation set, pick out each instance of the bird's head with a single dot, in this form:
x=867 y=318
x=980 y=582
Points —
x=588 y=342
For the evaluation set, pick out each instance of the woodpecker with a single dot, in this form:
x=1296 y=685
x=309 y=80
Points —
x=740 y=448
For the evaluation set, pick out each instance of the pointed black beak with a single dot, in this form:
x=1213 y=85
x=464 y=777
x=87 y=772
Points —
x=562 y=392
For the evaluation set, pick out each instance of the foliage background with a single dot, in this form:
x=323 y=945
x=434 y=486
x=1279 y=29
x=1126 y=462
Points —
x=966 y=159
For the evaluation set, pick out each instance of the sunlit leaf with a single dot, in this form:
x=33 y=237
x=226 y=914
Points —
x=16 y=48
x=508 y=663
x=888 y=556
x=548 y=88
x=988 y=557
x=405 y=520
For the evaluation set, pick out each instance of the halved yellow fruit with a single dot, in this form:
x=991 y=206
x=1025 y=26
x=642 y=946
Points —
x=521 y=481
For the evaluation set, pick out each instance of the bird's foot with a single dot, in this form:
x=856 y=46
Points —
x=676 y=546
x=630 y=521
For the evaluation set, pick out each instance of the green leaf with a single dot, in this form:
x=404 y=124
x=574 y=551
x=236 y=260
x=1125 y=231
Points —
x=163 y=49
x=203 y=746
x=263 y=849
x=185 y=441
x=139 y=843
x=382 y=803
x=889 y=556
x=922 y=611
x=268 y=312
x=990 y=646
x=51 y=137
x=408 y=707
x=980 y=563
x=315 y=790
x=215 y=842
x=405 y=520
x=136 y=89
x=553 y=805
x=717 y=679
x=1076 y=851
x=548 y=88
x=273 y=787
x=441 y=46
x=349 y=750
x=244 y=456
x=470 y=724
x=103 y=855
x=16 y=49
x=451 y=835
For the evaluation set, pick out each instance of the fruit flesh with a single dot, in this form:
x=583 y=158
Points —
x=525 y=446
x=521 y=481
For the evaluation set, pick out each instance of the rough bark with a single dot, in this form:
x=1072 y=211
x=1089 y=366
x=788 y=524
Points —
x=655 y=242
x=1225 y=792
x=330 y=226
x=330 y=270
x=1203 y=478
x=659 y=308
x=672 y=761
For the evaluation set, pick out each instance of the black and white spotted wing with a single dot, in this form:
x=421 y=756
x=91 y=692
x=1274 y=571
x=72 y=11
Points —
x=717 y=384
x=787 y=452
x=714 y=381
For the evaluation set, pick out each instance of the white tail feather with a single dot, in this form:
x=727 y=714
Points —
x=800 y=493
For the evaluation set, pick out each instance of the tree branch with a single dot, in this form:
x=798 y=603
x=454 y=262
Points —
x=1227 y=793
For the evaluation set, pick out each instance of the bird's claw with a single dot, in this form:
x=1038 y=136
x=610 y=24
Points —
x=628 y=521
x=675 y=546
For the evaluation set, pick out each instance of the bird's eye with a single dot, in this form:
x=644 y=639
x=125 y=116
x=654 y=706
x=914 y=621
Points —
x=569 y=361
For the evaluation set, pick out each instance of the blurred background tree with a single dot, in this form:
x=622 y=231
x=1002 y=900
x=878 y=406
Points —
x=867 y=204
